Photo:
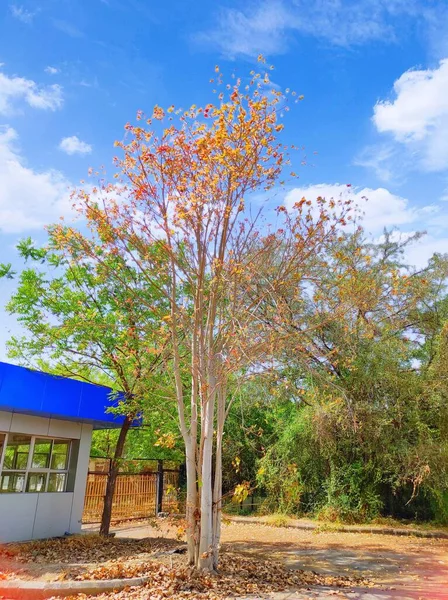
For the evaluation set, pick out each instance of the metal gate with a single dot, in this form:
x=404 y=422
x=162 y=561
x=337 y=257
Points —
x=137 y=495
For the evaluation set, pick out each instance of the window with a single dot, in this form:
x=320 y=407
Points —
x=41 y=454
x=33 y=464
x=36 y=482
x=12 y=482
x=17 y=451
x=2 y=445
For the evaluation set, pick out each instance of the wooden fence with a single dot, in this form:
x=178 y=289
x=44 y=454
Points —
x=136 y=495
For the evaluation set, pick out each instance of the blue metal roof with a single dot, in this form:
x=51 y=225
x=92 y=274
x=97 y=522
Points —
x=36 y=393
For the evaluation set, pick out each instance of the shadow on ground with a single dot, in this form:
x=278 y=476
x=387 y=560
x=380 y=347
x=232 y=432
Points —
x=417 y=574
x=404 y=568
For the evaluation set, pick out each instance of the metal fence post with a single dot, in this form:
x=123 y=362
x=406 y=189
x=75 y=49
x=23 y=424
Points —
x=182 y=475
x=159 y=497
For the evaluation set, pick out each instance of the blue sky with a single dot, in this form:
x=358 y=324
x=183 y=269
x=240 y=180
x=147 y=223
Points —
x=374 y=74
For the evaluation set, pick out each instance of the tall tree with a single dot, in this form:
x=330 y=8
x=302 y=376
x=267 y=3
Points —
x=84 y=325
x=378 y=295
x=368 y=421
x=186 y=182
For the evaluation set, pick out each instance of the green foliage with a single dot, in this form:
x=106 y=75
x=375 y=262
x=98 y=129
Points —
x=140 y=442
x=6 y=271
x=351 y=424
x=347 y=474
x=248 y=431
x=82 y=325
x=351 y=494
x=366 y=432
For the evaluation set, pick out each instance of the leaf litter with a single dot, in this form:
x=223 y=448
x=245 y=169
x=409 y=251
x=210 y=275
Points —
x=90 y=557
x=238 y=576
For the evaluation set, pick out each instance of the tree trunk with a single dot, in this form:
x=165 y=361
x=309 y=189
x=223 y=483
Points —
x=217 y=488
x=112 y=477
x=206 y=538
x=191 y=502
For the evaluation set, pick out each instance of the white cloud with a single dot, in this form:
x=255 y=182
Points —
x=51 y=70
x=67 y=28
x=29 y=199
x=421 y=251
x=267 y=26
x=397 y=236
x=417 y=117
x=20 y=13
x=73 y=145
x=380 y=207
x=247 y=33
x=13 y=89
x=383 y=209
x=386 y=160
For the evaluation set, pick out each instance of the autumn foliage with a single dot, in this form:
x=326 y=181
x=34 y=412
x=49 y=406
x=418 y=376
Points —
x=181 y=219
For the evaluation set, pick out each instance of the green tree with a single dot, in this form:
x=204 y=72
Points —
x=84 y=325
x=364 y=433
x=249 y=431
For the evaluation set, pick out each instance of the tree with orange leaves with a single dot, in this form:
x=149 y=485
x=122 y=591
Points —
x=184 y=184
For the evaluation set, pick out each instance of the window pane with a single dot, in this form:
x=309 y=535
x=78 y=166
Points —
x=17 y=450
x=12 y=482
x=59 y=457
x=41 y=455
x=56 y=482
x=36 y=482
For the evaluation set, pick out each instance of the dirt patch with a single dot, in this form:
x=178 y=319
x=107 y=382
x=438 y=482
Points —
x=386 y=559
x=405 y=562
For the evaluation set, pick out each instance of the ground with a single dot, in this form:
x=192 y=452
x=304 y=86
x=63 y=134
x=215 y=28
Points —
x=348 y=565
x=406 y=563
x=385 y=558
x=415 y=567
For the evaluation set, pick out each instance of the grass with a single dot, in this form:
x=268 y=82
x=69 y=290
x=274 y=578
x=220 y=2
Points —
x=331 y=524
x=407 y=524
x=277 y=520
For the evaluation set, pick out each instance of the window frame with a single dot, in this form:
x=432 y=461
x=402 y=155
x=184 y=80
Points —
x=30 y=470
x=2 y=453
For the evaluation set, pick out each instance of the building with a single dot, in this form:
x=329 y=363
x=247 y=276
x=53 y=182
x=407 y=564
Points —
x=46 y=425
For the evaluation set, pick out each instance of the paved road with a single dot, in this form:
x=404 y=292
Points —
x=405 y=568
x=403 y=575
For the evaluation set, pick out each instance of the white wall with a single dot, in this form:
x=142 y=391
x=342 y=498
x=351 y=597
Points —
x=82 y=468
x=27 y=516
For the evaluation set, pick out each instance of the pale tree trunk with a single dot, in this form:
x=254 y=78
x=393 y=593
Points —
x=206 y=489
x=193 y=512
x=191 y=502
x=189 y=436
x=217 y=488
x=190 y=442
